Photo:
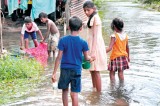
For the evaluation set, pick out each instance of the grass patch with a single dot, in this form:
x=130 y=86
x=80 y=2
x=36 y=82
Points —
x=18 y=76
x=151 y=4
x=98 y=3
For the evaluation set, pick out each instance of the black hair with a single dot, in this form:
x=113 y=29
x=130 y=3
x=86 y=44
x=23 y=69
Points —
x=27 y=19
x=88 y=4
x=43 y=15
x=75 y=23
x=118 y=23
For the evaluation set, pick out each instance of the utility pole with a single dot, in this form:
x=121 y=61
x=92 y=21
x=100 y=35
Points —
x=1 y=28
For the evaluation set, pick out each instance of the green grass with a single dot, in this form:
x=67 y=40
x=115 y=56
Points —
x=153 y=4
x=18 y=76
x=98 y=3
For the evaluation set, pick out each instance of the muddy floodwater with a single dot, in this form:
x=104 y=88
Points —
x=142 y=81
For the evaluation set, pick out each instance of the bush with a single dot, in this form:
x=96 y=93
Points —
x=149 y=1
x=18 y=67
x=98 y=3
x=18 y=77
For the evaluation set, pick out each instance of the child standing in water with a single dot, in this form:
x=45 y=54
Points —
x=119 y=57
x=52 y=33
x=96 y=44
x=71 y=48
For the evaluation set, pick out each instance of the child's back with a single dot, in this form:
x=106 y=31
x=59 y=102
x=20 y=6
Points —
x=119 y=57
x=70 y=52
x=52 y=33
x=72 y=47
x=53 y=28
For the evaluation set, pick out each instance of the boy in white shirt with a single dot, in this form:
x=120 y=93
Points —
x=29 y=28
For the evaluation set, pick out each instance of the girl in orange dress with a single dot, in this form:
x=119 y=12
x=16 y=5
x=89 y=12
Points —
x=96 y=44
x=119 y=57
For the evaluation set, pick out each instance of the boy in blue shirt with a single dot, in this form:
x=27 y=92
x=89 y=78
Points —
x=71 y=48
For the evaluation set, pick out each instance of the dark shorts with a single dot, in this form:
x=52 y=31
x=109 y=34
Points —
x=32 y=34
x=119 y=63
x=72 y=77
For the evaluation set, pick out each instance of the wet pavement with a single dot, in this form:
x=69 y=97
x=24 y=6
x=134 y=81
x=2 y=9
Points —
x=141 y=85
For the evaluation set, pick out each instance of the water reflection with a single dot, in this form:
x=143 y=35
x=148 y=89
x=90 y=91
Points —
x=119 y=93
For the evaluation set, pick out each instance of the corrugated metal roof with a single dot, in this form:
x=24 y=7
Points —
x=76 y=9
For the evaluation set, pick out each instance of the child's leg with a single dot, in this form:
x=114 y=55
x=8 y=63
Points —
x=34 y=38
x=35 y=42
x=120 y=75
x=65 y=97
x=93 y=79
x=97 y=79
x=74 y=97
x=112 y=75
x=55 y=52
x=26 y=35
x=49 y=47
x=75 y=86
x=54 y=48
x=49 y=53
x=26 y=43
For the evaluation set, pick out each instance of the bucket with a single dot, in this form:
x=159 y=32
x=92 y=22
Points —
x=85 y=64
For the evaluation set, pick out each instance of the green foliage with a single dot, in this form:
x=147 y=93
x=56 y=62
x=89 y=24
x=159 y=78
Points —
x=18 y=76
x=154 y=4
x=149 y=1
x=98 y=3
x=101 y=14
x=17 y=67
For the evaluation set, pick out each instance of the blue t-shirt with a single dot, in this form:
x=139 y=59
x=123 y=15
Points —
x=72 y=47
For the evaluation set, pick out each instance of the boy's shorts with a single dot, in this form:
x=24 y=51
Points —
x=68 y=76
x=53 y=42
x=33 y=35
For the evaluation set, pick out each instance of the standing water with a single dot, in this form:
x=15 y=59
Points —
x=141 y=86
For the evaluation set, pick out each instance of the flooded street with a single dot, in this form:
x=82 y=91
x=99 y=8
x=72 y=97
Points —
x=142 y=82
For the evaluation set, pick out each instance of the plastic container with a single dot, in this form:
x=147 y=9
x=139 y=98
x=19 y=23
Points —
x=55 y=85
x=85 y=64
x=55 y=88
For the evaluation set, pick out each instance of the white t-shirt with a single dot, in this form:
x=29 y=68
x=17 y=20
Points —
x=122 y=36
x=34 y=28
